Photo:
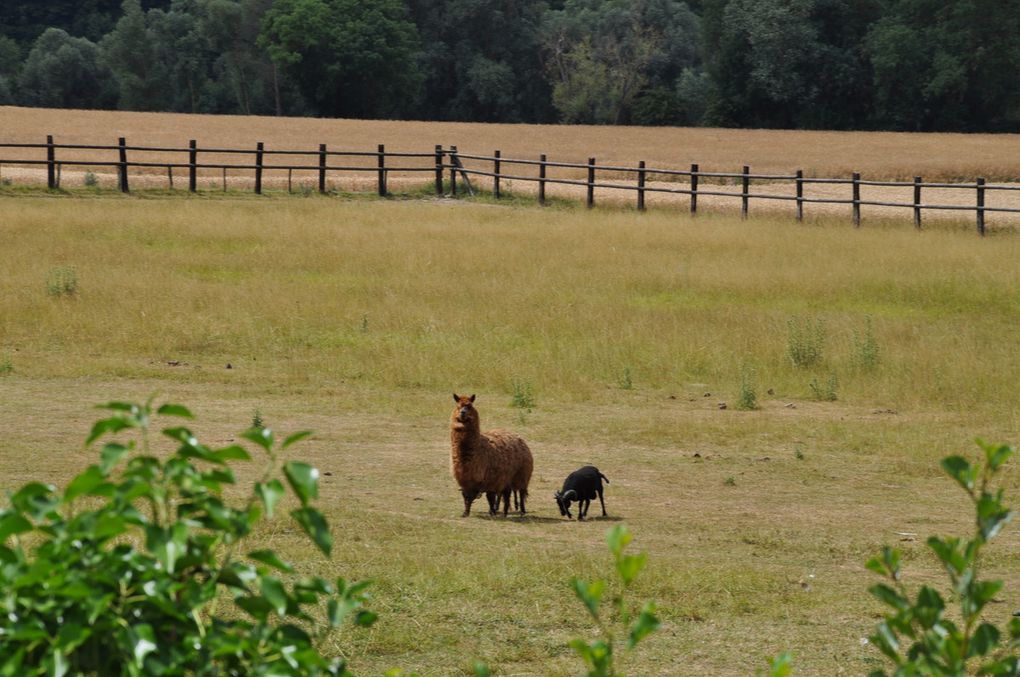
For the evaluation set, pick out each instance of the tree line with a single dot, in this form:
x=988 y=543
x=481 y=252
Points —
x=916 y=65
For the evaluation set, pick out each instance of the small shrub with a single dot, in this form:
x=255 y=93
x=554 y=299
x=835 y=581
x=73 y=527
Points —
x=62 y=281
x=748 y=399
x=799 y=454
x=626 y=380
x=523 y=396
x=91 y=180
x=6 y=181
x=730 y=482
x=915 y=635
x=6 y=365
x=598 y=655
x=364 y=324
x=865 y=349
x=123 y=572
x=256 y=420
x=806 y=342
x=825 y=392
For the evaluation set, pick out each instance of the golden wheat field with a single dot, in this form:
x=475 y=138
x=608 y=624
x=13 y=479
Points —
x=877 y=156
x=628 y=340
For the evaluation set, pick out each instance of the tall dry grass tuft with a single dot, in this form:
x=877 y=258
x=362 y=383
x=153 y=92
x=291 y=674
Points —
x=564 y=300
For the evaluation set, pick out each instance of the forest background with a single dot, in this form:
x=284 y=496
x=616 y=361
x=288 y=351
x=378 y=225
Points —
x=913 y=65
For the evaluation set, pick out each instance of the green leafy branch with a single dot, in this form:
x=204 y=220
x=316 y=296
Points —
x=122 y=571
x=598 y=654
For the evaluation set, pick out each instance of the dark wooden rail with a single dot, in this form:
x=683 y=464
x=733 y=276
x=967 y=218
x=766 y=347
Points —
x=461 y=166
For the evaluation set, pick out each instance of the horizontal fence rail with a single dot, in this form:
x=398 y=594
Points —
x=460 y=167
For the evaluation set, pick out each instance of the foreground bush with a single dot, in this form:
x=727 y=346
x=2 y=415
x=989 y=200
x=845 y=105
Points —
x=917 y=635
x=138 y=566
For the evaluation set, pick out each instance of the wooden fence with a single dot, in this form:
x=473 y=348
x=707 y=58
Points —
x=441 y=161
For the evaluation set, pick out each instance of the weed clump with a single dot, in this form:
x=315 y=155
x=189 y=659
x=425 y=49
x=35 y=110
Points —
x=806 y=342
x=62 y=281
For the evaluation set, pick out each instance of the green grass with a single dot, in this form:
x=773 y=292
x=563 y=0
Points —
x=358 y=319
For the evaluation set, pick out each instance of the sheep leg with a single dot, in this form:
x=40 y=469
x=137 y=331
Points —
x=582 y=508
x=603 y=502
x=469 y=497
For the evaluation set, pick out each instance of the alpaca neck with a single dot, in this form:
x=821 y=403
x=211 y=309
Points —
x=464 y=437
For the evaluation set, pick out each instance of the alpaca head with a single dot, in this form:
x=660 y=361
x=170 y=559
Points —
x=464 y=414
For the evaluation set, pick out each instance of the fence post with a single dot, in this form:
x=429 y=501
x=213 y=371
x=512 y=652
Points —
x=694 y=189
x=981 y=207
x=382 y=170
x=170 y=175
x=322 y=168
x=591 y=183
x=800 y=194
x=745 y=182
x=541 y=179
x=258 y=167
x=51 y=166
x=453 y=171
x=917 y=202
x=192 y=166
x=495 y=170
x=122 y=151
x=439 y=170
x=641 y=186
x=856 y=183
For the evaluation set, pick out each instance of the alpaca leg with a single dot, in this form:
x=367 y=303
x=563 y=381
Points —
x=469 y=497
x=506 y=502
x=524 y=493
x=493 y=499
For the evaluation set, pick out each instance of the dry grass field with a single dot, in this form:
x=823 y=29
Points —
x=358 y=318
x=877 y=155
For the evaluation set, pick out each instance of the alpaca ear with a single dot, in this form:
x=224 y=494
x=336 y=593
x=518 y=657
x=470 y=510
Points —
x=472 y=398
x=456 y=398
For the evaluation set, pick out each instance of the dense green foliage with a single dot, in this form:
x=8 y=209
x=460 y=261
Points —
x=817 y=64
x=137 y=566
x=918 y=635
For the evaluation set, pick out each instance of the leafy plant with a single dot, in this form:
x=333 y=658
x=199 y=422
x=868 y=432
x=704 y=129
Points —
x=62 y=281
x=865 y=349
x=748 y=399
x=806 y=342
x=523 y=395
x=916 y=636
x=125 y=571
x=825 y=392
x=6 y=365
x=598 y=655
x=626 y=380
x=91 y=180
x=257 y=421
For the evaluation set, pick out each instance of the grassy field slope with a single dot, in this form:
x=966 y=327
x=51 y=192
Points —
x=358 y=319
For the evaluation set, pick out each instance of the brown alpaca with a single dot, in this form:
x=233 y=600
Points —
x=496 y=461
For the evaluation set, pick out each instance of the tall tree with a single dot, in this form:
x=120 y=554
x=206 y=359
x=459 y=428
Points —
x=65 y=72
x=947 y=65
x=130 y=52
x=349 y=58
x=603 y=53
x=482 y=60
x=787 y=63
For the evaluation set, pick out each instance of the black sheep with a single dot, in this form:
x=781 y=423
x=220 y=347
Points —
x=582 y=485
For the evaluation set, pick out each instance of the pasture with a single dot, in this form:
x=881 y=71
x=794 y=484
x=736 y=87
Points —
x=357 y=319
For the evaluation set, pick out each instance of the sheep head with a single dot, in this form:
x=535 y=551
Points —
x=563 y=499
